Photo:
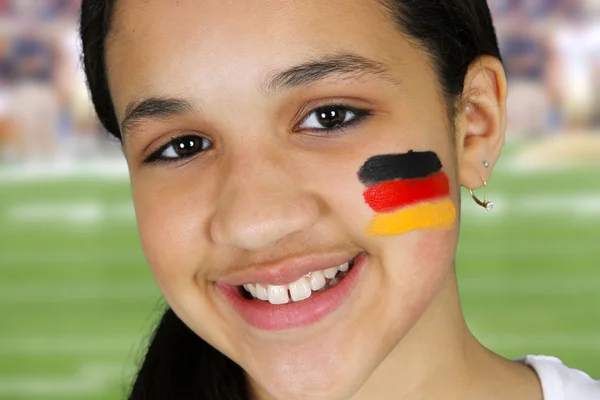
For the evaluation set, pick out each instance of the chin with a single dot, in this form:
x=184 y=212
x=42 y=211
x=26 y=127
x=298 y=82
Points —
x=330 y=375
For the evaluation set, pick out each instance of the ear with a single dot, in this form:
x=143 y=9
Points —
x=481 y=121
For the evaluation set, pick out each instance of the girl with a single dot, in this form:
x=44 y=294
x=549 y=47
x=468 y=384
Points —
x=295 y=168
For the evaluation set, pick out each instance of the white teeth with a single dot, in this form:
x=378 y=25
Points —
x=317 y=280
x=261 y=292
x=330 y=273
x=278 y=295
x=300 y=290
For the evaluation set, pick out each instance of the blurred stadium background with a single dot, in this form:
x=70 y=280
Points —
x=77 y=301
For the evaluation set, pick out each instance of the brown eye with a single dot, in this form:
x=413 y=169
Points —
x=185 y=147
x=331 y=118
x=180 y=148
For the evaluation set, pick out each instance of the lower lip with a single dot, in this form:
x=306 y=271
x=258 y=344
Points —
x=266 y=316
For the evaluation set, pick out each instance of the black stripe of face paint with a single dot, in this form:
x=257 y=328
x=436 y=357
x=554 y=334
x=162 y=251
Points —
x=389 y=167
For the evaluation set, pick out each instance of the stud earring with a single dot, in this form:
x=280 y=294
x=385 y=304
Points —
x=486 y=164
x=488 y=205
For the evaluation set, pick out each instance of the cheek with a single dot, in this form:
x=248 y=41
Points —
x=349 y=208
x=343 y=208
x=433 y=258
x=435 y=248
x=171 y=232
x=418 y=265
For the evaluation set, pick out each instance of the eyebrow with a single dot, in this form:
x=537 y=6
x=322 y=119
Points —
x=153 y=108
x=350 y=65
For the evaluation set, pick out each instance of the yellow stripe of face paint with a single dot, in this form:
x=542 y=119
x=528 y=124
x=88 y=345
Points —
x=436 y=215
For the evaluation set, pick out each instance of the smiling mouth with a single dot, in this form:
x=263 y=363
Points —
x=309 y=284
x=297 y=304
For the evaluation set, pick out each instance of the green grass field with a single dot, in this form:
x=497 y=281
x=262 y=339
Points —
x=77 y=300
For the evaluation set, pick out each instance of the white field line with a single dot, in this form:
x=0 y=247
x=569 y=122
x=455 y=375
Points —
x=90 y=379
x=488 y=286
x=114 y=168
x=515 y=166
x=95 y=213
x=581 y=205
x=73 y=213
x=109 y=169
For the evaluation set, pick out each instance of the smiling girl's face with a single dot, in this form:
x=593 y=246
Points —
x=253 y=132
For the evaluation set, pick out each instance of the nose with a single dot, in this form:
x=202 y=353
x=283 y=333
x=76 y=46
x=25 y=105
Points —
x=260 y=204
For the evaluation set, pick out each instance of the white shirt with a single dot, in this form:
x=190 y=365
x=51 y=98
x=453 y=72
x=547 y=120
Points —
x=560 y=382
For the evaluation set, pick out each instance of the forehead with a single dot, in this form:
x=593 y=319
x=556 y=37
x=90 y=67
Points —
x=157 y=45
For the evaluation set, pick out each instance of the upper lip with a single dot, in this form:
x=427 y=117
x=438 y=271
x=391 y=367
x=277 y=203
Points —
x=285 y=271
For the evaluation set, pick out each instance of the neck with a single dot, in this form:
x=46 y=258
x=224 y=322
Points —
x=440 y=358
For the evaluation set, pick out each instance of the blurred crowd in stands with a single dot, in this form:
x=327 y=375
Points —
x=551 y=51
x=45 y=112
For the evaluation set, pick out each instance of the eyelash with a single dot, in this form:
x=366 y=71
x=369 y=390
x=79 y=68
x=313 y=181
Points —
x=359 y=116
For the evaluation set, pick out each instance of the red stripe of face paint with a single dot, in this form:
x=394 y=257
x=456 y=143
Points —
x=391 y=195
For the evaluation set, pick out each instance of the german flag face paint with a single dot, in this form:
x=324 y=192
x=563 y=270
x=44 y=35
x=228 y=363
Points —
x=408 y=191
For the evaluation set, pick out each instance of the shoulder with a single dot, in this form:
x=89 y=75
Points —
x=560 y=382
